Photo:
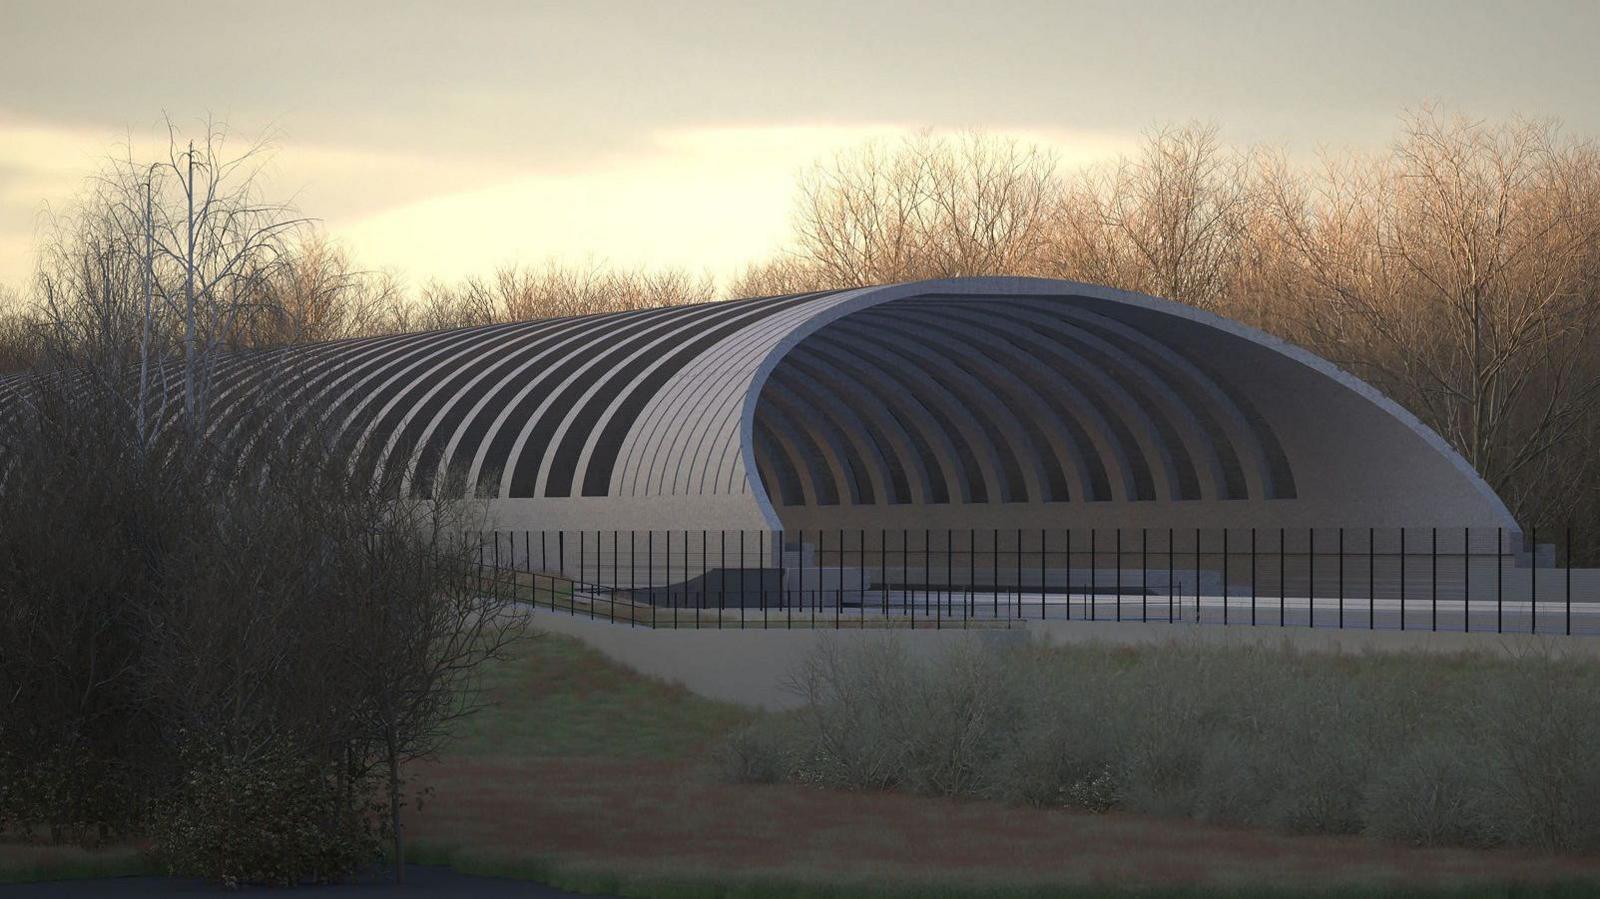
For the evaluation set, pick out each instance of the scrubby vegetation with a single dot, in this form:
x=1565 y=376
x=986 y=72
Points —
x=232 y=666
x=1472 y=750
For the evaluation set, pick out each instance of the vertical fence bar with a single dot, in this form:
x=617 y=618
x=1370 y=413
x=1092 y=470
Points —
x=1311 y=577
x=1117 y=558
x=1569 y=578
x=1197 y=613
x=1019 y=576
x=633 y=576
x=969 y=596
x=1372 y=579
x=883 y=571
x=650 y=572
x=838 y=607
x=1144 y=575
x=1171 y=573
x=908 y=597
x=1094 y=585
x=1224 y=575
x=1252 y=577
x=1044 y=571
x=1283 y=576
x=1402 y=578
x=1341 y=578
x=1434 y=586
x=612 y=612
x=1499 y=580
x=1069 y=574
x=1466 y=580
x=994 y=574
x=927 y=569
x=1533 y=581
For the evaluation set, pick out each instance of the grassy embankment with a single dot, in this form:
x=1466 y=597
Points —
x=593 y=779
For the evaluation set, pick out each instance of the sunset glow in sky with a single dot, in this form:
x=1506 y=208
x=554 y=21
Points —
x=442 y=141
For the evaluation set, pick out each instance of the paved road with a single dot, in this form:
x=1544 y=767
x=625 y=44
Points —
x=1486 y=615
x=421 y=882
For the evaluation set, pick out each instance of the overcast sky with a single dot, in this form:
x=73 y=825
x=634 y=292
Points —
x=443 y=139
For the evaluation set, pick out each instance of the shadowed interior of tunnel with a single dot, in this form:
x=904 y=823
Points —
x=1023 y=405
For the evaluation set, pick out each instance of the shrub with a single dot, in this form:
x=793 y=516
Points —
x=277 y=817
x=759 y=752
x=1470 y=750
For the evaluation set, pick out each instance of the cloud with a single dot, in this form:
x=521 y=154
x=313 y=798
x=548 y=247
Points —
x=710 y=198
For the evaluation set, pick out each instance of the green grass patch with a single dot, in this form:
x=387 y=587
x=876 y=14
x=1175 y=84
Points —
x=555 y=696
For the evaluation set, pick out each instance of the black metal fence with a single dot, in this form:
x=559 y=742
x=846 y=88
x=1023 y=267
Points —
x=1438 y=579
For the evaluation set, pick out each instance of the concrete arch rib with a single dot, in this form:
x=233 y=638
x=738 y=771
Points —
x=1045 y=294
x=973 y=402
x=1014 y=413
x=1159 y=420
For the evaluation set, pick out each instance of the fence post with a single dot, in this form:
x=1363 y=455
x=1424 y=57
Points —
x=1224 y=575
x=1172 y=549
x=1069 y=574
x=970 y=594
x=1435 y=578
x=743 y=587
x=1499 y=580
x=1144 y=575
x=1402 y=578
x=1569 y=578
x=1252 y=577
x=1372 y=578
x=1117 y=557
x=1094 y=576
x=1044 y=571
x=1466 y=580
x=1341 y=578
x=1533 y=580
x=884 y=570
x=633 y=577
x=650 y=572
x=1283 y=576
x=908 y=595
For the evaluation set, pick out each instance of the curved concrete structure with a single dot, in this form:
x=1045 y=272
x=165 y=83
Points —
x=966 y=403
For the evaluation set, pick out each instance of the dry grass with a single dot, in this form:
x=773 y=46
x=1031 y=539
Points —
x=593 y=778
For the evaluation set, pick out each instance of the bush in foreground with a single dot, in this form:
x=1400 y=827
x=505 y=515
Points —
x=1472 y=750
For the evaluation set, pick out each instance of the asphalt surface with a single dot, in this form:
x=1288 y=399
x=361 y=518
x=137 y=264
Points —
x=422 y=882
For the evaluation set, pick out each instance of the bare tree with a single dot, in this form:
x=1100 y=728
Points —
x=930 y=206
x=164 y=262
x=1170 y=221
x=1462 y=273
x=519 y=293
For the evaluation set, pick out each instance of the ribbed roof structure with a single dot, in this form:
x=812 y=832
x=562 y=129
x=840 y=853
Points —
x=959 y=403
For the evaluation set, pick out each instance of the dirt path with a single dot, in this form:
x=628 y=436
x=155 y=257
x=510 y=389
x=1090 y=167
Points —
x=670 y=818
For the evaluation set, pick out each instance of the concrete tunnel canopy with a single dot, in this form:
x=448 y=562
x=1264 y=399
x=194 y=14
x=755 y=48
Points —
x=961 y=403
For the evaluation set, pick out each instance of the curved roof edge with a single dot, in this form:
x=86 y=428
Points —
x=837 y=305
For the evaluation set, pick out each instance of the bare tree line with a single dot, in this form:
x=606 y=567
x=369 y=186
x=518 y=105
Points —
x=1459 y=271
